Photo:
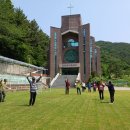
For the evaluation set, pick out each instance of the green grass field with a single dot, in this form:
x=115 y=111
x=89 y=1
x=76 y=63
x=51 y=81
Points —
x=56 y=111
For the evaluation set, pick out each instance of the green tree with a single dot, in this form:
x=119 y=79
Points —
x=115 y=59
x=20 y=38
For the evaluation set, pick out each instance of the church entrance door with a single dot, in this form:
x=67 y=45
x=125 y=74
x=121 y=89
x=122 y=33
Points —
x=70 y=71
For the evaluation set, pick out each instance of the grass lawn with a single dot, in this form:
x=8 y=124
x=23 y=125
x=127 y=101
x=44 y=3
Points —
x=56 y=111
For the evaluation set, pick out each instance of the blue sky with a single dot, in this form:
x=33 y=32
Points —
x=109 y=19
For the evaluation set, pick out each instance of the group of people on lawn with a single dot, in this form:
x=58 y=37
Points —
x=78 y=84
x=95 y=85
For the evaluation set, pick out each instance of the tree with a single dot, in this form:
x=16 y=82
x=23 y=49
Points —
x=115 y=59
x=21 y=39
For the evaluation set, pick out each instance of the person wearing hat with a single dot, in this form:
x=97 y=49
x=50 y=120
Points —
x=33 y=89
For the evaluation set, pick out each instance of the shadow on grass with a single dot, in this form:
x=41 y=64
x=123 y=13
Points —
x=105 y=102
x=95 y=99
x=24 y=105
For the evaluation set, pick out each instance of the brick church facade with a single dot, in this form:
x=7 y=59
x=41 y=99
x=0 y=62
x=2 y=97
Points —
x=73 y=50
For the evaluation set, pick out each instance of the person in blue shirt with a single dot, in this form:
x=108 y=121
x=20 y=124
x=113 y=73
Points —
x=89 y=86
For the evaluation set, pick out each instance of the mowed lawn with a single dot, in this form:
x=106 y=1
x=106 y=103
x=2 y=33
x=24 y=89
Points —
x=54 y=110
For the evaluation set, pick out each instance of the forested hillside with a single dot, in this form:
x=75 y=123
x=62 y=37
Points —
x=23 y=40
x=115 y=58
x=20 y=38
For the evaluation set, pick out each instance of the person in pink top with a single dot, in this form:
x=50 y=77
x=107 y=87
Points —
x=101 y=90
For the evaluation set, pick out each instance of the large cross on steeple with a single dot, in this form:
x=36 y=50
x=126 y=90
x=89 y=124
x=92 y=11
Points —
x=70 y=7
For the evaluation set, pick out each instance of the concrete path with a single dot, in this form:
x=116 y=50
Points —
x=119 y=88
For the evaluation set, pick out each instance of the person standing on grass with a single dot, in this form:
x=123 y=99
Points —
x=78 y=86
x=89 y=86
x=33 y=89
x=101 y=89
x=111 y=91
x=3 y=86
x=94 y=86
x=83 y=86
x=67 y=86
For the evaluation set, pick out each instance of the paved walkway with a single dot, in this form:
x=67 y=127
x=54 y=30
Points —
x=119 y=88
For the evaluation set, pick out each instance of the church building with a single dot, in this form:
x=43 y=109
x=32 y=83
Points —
x=73 y=50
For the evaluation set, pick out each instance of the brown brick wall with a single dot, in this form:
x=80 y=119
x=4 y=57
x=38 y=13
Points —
x=81 y=69
x=59 y=51
x=70 y=22
x=87 y=26
x=81 y=59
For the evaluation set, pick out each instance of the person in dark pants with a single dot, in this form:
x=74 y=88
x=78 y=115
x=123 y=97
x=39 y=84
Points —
x=94 y=86
x=78 y=86
x=101 y=90
x=67 y=86
x=83 y=86
x=3 y=86
x=111 y=91
x=33 y=89
x=89 y=86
